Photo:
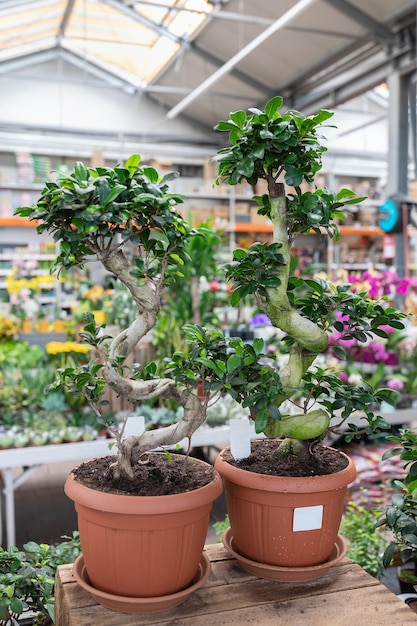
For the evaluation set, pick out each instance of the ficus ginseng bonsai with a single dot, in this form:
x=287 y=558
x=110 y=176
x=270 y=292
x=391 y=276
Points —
x=127 y=218
x=284 y=150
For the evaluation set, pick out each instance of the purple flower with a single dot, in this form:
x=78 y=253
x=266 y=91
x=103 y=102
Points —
x=260 y=319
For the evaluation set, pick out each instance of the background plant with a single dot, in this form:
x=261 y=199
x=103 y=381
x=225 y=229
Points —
x=401 y=513
x=191 y=303
x=30 y=416
x=27 y=579
x=365 y=546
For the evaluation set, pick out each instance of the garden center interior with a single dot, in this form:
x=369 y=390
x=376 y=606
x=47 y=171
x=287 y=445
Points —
x=99 y=80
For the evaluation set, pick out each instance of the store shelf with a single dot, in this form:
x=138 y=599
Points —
x=250 y=227
x=365 y=231
x=17 y=221
x=21 y=186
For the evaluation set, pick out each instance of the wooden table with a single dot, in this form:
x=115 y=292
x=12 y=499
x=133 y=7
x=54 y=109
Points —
x=345 y=596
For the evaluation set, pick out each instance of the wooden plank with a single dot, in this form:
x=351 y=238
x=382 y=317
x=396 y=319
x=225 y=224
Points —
x=229 y=589
x=375 y=606
x=351 y=608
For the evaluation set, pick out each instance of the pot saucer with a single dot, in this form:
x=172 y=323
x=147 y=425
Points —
x=126 y=604
x=286 y=574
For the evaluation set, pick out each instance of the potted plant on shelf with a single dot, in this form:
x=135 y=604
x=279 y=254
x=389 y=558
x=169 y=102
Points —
x=142 y=516
x=285 y=496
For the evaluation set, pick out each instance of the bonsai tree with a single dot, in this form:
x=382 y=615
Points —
x=284 y=151
x=127 y=218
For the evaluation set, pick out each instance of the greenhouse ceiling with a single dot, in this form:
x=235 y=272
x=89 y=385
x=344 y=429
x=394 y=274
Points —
x=200 y=58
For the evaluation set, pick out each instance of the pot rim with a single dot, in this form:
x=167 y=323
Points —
x=295 y=484
x=118 y=503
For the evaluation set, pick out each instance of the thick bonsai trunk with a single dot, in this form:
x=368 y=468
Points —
x=308 y=335
x=148 y=302
x=310 y=339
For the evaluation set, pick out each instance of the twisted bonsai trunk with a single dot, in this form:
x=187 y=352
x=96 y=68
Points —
x=147 y=300
x=310 y=339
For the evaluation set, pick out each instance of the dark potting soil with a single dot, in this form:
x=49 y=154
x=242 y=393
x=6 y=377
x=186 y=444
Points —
x=156 y=474
x=265 y=460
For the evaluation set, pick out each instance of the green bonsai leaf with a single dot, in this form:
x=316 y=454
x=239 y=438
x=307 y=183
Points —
x=272 y=106
x=132 y=163
x=238 y=118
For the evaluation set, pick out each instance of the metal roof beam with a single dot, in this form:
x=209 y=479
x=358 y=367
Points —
x=378 y=30
x=21 y=62
x=360 y=82
x=222 y=15
x=65 y=18
x=134 y=15
x=27 y=49
x=245 y=51
x=242 y=76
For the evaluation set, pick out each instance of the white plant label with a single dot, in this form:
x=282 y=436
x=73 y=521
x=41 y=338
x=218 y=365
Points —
x=135 y=425
x=308 y=518
x=240 y=434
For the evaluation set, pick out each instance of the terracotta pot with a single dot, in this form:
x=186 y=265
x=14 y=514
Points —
x=142 y=546
x=284 y=521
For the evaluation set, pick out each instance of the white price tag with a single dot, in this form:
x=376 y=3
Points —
x=308 y=518
x=240 y=438
x=135 y=425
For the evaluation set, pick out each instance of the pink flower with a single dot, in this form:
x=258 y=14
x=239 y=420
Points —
x=343 y=377
x=31 y=264
x=395 y=383
x=388 y=329
x=214 y=285
x=24 y=294
x=340 y=317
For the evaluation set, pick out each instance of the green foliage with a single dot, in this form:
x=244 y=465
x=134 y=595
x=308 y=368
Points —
x=365 y=545
x=285 y=150
x=221 y=526
x=255 y=270
x=131 y=202
x=231 y=366
x=401 y=513
x=127 y=217
x=266 y=144
x=267 y=139
x=27 y=578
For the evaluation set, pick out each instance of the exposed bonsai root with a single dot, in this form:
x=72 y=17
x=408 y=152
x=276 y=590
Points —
x=295 y=447
x=131 y=449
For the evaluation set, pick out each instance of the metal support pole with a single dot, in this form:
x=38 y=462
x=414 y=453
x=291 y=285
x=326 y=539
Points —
x=398 y=131
x=10 y=485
